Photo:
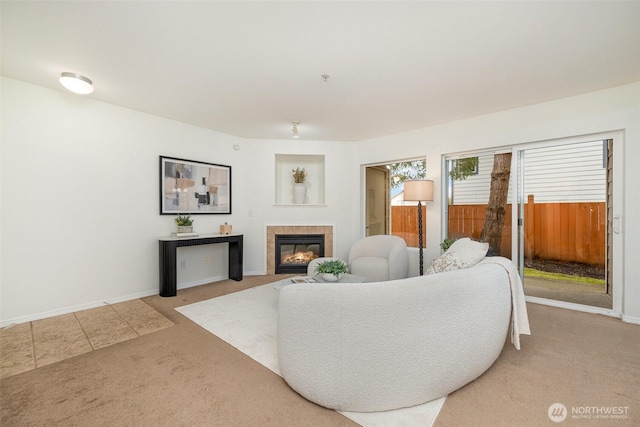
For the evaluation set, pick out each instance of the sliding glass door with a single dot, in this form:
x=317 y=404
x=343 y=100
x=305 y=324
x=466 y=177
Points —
x=562 y=217
x=559 y=220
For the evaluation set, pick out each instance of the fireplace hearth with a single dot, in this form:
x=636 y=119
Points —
x=293 y=252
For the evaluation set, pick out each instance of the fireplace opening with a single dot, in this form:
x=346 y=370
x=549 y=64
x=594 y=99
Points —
x=295 y=251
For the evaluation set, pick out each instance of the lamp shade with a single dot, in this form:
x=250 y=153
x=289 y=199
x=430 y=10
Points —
x=420 y=190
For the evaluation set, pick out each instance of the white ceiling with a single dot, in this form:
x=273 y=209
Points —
x=251 y=68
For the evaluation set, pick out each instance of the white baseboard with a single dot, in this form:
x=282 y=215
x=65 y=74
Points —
x=73 y=309
x=255 y=273
x=215 y=279
x=631 y=319
x=201 y=282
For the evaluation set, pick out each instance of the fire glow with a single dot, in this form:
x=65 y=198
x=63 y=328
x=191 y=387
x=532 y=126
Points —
x=300 y=258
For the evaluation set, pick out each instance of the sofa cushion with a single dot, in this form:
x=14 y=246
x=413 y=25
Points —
x=463 y=253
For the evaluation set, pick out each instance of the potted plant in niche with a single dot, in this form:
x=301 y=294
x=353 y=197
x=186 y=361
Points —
x=332 y=270
x=299 y=189
x=185 y=223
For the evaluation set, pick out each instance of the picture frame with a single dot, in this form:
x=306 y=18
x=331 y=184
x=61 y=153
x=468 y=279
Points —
x=194 y=187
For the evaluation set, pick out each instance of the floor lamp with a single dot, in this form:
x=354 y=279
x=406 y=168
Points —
x=419 y=191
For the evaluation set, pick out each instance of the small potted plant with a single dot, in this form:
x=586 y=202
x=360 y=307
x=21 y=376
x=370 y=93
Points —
x=299 y=175
x=331 y=270
x=185 y=223
x=299 y=189
x=446 y=244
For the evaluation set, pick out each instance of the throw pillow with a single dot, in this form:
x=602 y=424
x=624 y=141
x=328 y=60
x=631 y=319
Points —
x=447 y=262
x=469 y=251
x=463 y=253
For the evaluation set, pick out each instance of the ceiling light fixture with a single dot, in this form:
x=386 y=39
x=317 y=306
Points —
x=294 y=130
x=76 y=83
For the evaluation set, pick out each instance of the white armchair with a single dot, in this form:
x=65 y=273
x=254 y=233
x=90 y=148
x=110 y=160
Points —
x=379 y=258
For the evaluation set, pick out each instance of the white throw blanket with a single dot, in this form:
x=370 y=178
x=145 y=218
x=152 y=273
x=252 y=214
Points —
x=519 y=316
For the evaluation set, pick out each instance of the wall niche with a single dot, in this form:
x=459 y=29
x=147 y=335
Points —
x=313 y=164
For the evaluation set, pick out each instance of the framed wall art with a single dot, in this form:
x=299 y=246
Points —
x=192 y=187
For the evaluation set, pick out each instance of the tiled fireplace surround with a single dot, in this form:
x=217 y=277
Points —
x=272 y=230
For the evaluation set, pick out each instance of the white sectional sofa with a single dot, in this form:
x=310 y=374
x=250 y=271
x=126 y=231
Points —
x=369 y=347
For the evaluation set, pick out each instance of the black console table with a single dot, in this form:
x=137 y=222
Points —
x=169 y=245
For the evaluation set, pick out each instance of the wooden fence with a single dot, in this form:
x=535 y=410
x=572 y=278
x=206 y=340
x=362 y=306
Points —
x=467 y=221
x=404 y=223
x=569 y=232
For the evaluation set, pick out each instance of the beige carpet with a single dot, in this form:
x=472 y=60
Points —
x=248 y=321
x=185 y=376
x=580 y=360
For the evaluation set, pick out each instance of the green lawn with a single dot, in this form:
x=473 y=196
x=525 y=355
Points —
x=530 y=272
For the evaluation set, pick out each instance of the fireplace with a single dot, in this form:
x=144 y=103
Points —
x=271 y=231
x=293 y=252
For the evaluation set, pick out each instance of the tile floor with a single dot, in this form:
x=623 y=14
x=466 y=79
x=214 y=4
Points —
x=31 y=345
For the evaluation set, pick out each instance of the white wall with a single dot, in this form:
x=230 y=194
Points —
x=80 y=209
x=258 y=208
x=607 y=110
x=79 y=186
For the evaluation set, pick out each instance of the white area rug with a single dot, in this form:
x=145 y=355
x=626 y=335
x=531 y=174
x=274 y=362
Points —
x=248 y=321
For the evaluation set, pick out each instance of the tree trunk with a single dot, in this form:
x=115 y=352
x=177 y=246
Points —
x=497 y=206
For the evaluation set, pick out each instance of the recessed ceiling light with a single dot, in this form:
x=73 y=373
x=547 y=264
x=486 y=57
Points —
x=76 y=83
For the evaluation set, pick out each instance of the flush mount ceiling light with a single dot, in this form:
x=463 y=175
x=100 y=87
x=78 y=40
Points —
x=76 y=83
x=294 y=130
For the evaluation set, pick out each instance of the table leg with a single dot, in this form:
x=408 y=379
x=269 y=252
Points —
x=235 y=259
x=168 y=273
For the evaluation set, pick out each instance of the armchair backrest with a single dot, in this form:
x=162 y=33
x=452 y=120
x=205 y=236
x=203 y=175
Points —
x=378 y=246
x=381 y=249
